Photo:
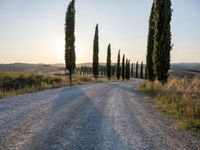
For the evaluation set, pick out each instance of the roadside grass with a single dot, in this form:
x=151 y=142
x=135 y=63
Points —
x=15 y=83
x=178 y=98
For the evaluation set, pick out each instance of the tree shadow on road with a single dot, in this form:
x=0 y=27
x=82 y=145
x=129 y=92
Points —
x=76 y=122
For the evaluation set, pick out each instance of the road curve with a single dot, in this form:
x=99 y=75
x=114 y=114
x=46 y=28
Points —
x=101 y=116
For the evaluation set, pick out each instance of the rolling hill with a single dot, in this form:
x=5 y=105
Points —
x=179 y=68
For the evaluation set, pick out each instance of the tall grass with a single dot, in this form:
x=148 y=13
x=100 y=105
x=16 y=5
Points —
x=179 y=98
x=12 y=83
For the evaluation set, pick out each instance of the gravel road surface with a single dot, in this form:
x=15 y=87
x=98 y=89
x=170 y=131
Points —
x=101 y=116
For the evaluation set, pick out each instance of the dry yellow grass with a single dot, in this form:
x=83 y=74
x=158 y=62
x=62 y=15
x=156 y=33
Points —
x=179 y=98
x=15 y=83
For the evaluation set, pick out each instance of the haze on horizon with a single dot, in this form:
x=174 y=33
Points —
x=32 y=31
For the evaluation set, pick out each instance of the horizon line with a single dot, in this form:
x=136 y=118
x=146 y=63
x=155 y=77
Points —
x=87 y=63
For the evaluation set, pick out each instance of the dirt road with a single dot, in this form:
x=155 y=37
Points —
x=102 y=116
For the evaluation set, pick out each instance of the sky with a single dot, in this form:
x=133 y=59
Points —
x=32 y=31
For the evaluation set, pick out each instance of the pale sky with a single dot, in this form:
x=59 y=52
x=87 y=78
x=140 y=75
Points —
x=32 y=31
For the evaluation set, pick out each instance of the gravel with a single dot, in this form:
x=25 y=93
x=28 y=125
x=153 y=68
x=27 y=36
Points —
x=101 y=116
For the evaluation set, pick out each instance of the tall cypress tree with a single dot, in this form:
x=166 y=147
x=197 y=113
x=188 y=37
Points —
x=108 y=64
x=118 y=66
x=145 y=71
x=150 y=44
x=95 y=65
x=162 y=39
x=136 y=74
x=132 y=70
x=129 y=69
x=141 y=70
x=123 y=67
x=70 y=58
x=126 y=69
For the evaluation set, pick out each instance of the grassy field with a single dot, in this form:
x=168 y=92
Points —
x=15 y=83
x=178 y=98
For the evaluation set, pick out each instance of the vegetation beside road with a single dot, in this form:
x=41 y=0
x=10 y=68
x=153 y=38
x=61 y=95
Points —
x=15 y=83
x=178 y=98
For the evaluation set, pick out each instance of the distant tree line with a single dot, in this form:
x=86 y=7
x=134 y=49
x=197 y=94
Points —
x=123 y=71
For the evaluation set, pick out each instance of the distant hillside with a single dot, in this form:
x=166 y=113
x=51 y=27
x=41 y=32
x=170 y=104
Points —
x=22 y=67
x=180 y=68
x=89 y=64
x=188 y=70
x=176 y=66
x=188 y=67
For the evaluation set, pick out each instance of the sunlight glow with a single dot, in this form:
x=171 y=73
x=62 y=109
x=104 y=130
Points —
x=59 y=48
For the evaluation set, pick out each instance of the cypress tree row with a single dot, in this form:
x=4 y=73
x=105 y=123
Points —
x=136 y=74
x=123 y=67
x=118 y=66
x=132 y=70
x=141 y=70
x=150 y=45
x=162 y=39
x=108 y=64
x=95 y=65
x=70 y=58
